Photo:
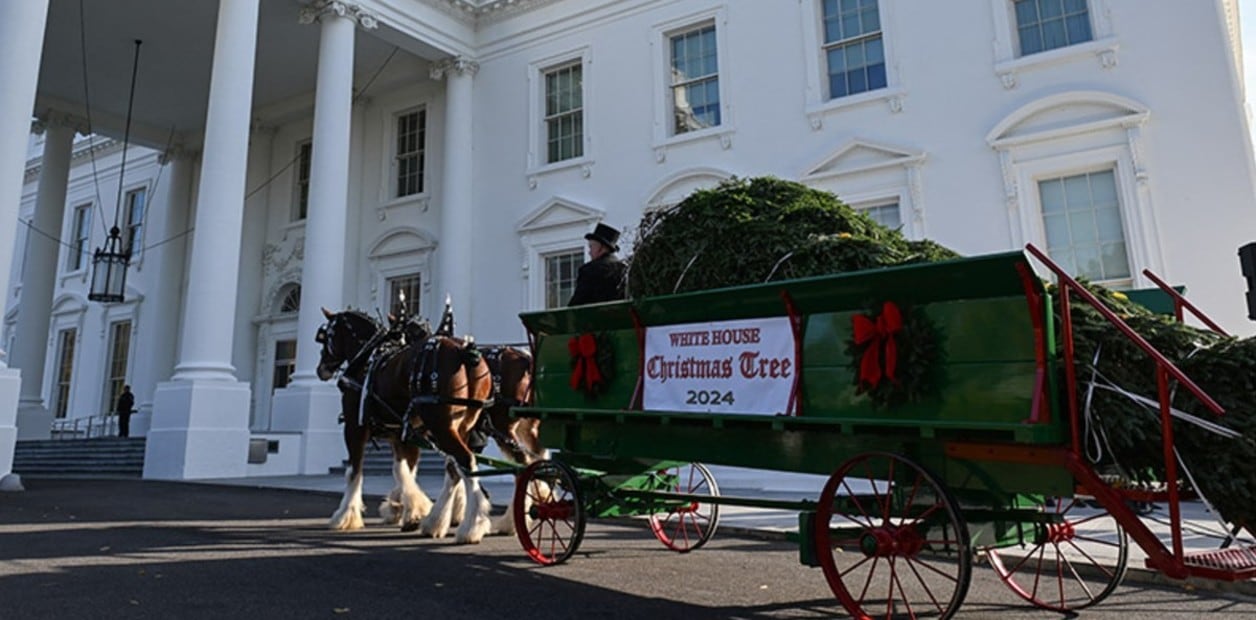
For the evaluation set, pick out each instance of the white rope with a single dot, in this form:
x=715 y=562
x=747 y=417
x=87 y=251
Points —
x=685 y=271
x=778 y=264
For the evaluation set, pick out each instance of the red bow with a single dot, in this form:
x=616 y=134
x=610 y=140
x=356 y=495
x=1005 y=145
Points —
x=874 y=334
x=583 y=349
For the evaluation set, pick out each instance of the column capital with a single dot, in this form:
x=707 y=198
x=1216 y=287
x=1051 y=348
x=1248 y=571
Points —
x=177 y=153
x=460 y=65
x=317 y=10
x=47 y=118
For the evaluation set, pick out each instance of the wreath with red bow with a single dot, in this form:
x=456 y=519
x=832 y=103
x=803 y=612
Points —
x=592 y=363
x=896 y=354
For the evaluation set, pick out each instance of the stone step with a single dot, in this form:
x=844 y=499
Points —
x=109 y=456
x=379 y=462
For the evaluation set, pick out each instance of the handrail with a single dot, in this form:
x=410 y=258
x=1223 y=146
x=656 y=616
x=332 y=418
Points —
x=104 y=425
x=1116 y=321
x=1180 y=302
x=1174 y=563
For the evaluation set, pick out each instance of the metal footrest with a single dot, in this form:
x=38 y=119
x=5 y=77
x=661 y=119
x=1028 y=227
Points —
x=1236 y=564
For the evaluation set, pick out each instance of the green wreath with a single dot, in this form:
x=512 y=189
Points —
x=592 y=363
x=896 y=354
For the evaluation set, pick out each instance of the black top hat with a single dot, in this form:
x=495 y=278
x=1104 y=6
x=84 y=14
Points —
x=606 y=236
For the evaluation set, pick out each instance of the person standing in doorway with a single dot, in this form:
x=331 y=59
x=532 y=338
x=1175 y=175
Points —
x=126 y=403
x=602 y=278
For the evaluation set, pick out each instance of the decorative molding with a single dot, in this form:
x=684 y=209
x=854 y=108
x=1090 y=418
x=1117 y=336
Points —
x=660 y=154
x=586 y=170
x=274 y=259
x=1134 y=137
x=896 y=103
x=320 y=8
x=177 y=153
x=726 y=140
x=460 y=65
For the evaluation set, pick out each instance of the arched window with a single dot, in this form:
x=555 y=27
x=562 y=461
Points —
x=291 y=299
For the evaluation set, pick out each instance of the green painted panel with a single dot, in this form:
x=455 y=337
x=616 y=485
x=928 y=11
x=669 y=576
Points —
x=977 y=393
x=553 y=373
x=1155 y=299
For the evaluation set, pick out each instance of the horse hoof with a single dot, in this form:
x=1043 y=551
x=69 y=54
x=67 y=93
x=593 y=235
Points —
x=410 y=526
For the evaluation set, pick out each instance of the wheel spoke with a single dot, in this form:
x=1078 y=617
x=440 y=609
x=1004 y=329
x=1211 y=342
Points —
x=1093 y=562
x=868 y=582
x=912 y=565
x=855 y=498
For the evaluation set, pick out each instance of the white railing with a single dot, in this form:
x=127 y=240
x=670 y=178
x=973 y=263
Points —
x=103 y=425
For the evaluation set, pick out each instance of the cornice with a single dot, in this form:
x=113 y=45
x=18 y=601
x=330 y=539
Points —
x=486 y=11
x=98 y=146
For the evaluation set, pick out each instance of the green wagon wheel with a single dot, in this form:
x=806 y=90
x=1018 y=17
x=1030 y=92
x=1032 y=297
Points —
x=891 y=540
x=688 y=526
x=548 y=511
x=1073 y=560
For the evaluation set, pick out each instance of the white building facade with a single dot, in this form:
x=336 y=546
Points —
x=286 y=156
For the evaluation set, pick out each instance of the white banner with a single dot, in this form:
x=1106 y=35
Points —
x=726 y=367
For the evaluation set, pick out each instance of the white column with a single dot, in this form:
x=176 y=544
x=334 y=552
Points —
x=456 y=238
x=159 y=332
x=200 y=426
x=21 y=44
x=307 y=405
x=34 y=421
x=251 y=265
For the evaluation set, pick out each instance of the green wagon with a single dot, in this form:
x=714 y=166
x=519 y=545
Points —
x=931 y=395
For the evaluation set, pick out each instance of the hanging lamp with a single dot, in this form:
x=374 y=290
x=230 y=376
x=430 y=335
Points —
x=109 y=263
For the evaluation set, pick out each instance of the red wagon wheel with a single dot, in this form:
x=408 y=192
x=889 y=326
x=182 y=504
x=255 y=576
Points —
x=689 y=526
x=549 y=514
x=1073 y=560
x=891 y=540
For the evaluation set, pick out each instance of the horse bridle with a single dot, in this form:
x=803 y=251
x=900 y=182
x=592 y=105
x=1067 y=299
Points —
x=325 y=337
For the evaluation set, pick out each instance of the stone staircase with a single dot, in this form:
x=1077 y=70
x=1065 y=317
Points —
x=379 y=461
x=80 y=458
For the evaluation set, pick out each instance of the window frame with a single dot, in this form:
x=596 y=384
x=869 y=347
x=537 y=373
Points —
x=299 y=211
x=538 y=135
x=578 y=253
x=78 y=257
x=62 y=385
x=665 y=137
x=1010 y=64
x=818 y=105
x=129 y=226
x=394 y=168
x=413 y=305
x=113 y=380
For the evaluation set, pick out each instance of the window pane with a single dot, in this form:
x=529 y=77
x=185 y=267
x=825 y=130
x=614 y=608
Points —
x=560 y=277
x=1082 y=223
x=1049 y=24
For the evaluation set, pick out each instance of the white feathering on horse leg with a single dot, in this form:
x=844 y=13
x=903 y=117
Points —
x=414 y=503
x=459 y=502
x=348 y=516
x=475 y=521
x=436 y=524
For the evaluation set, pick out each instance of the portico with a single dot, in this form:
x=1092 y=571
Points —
x=196 y=366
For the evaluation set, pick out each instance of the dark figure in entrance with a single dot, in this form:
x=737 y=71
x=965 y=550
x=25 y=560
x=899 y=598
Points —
x=602 y=278
x=126 y=403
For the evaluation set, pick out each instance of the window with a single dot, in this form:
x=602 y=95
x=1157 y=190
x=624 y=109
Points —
x=411 y=138
x=80 y=237
x=291 y=301
x=853 y=47
x=407 y=286
x=695 y=80
x=119 y=348
x=560 y=277
x=285 y=363
x=65 y=371
x=136 y=203
x=564 y=112
x=1082 y=220
x=1043 y=25
x=302 y=192
x=887 y=215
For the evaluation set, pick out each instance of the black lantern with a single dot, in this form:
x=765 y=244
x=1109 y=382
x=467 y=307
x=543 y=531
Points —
x=109 y=269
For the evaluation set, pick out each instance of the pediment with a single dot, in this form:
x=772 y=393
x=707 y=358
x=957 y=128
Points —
x=558 y=212
x=679 y=186
x=67 y=303
x=860 y=156
x=1064 y=114
x=401 y=241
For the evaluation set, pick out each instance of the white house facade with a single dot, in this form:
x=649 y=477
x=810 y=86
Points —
x=288 y=155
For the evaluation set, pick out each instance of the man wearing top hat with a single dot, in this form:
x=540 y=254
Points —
x=602 y=278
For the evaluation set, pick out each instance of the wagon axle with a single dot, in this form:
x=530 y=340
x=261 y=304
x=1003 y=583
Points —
x=883 y=542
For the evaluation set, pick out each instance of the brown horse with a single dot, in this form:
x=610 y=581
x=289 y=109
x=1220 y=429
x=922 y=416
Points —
x=434 y=389
x=356 y=342
x=518 y=439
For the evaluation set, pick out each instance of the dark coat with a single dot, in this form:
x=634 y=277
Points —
x=126 y=403
x=599 y=280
